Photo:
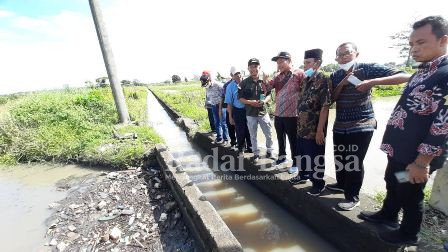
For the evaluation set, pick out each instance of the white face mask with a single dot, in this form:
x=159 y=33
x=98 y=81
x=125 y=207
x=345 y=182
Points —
x=347 y=66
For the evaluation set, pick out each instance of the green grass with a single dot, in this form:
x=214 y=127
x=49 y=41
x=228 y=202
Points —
x=391 y=90
x=187 y=99
x=74 y=125
x=380 y=196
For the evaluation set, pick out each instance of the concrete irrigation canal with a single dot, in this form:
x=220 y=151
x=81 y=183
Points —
x=231 y=214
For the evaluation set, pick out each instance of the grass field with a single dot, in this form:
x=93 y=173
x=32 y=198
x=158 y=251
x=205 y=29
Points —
x=73 y=125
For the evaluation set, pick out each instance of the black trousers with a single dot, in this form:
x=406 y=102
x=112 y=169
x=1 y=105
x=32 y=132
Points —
x=406 y=196
x=231 y=130
x=349 y=153
x=311 y=161
x=242 y=131
x=286 y=126
x=211 y=119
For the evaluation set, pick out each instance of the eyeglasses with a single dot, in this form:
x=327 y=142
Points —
x=340 y=55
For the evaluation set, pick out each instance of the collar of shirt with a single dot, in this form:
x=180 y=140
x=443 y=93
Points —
x=433 y=63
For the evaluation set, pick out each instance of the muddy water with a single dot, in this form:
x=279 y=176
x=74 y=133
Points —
x=255 y=220
x=25 y=192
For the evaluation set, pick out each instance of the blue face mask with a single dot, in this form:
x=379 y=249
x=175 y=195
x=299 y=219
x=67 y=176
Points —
x=309 y=72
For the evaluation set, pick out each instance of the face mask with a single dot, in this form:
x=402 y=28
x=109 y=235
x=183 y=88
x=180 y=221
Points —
x=309 y=72
x=347 y=66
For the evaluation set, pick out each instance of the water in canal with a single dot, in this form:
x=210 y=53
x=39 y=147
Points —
x=257 y=222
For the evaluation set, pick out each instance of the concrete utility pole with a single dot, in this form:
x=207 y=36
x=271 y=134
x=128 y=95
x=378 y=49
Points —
x=108 y=57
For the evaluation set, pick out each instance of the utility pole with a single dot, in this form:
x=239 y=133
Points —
x=108 y=57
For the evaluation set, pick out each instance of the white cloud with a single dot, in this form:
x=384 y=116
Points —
x=5 y=13
x=152 y=40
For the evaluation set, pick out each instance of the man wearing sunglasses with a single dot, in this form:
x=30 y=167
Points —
x=355 y=120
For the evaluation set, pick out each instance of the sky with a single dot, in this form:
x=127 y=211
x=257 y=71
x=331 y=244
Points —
x=47 y=44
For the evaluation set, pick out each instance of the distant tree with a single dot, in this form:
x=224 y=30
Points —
x=176 y=78
x=329 y=68
x=102 y=82
x=186 y=80
x=89 y=84
x=401 y=43
x=167 y=82
x=219 y=77
x=136 y=82
x=391 y=64
x=126 y=83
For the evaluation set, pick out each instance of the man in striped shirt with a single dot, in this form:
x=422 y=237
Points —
x=355 y=120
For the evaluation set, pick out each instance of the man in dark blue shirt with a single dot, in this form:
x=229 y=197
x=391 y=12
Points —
x=416 y=133
x=355 y=120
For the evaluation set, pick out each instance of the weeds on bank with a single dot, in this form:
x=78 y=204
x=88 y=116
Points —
x=74 y=125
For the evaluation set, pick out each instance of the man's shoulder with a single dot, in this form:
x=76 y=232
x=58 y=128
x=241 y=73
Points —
x=227 y=83
x=298 y=72
x=218 y=84
x=231 y=84
x=337 y=73
x=246 y=81
x=322 y=76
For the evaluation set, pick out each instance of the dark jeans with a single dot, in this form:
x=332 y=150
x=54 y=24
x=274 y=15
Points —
x=242 y=131
x=231 y=130
x=311 y=160
x=211 y=119
x=349 y=153
x=286 y=126
x=406 y=196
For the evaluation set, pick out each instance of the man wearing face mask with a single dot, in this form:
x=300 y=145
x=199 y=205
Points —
x=416 y=133
x=311 y=123
x=254 y=96
x=286 y=85
x=355 y=121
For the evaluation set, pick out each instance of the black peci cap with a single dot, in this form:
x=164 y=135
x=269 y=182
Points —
x=314 y=53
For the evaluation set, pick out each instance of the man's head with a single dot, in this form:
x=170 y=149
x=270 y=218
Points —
x=236 y=75
x=312 y=59
x=283 y=60
x=429 y=38
x=254 y=67
x=232 y=70
x=346 y=53
x=205 y=78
